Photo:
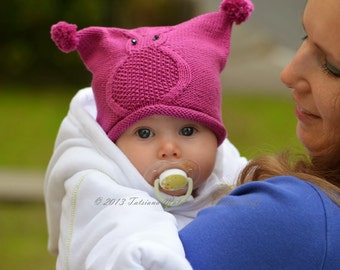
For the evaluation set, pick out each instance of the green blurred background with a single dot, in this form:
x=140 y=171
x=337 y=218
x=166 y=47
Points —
x=37 y=82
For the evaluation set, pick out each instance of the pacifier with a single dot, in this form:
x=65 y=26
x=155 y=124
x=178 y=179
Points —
x=173 y=179
x=170 y=177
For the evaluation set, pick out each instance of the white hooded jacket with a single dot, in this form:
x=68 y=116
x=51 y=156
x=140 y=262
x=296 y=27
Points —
x=102 y=214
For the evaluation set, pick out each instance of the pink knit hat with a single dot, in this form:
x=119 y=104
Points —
x=165 y=70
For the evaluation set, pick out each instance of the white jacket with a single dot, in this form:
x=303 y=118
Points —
x=102 y=214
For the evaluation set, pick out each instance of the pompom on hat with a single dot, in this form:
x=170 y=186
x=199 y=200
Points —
x=162 y=70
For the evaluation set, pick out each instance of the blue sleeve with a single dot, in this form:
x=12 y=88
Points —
x=275 y=224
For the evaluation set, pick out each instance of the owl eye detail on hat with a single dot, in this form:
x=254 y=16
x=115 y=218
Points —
x=164 y=70
x=134 y=41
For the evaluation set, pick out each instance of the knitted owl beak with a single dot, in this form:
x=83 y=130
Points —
x=165 y=70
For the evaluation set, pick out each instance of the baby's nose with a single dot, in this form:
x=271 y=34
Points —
x=168 y=150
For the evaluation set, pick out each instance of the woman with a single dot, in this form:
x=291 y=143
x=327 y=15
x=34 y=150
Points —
x=292 y=219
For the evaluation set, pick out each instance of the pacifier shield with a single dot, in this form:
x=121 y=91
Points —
x=173 y=179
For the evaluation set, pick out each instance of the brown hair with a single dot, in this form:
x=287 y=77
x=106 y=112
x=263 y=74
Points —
x=302 y=167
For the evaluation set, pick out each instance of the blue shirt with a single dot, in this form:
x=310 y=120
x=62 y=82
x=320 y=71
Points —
x=280 y=223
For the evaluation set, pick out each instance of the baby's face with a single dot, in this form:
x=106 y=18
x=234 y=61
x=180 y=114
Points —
x=171 y=139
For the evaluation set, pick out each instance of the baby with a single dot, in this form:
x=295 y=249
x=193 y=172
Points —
x=143 y=149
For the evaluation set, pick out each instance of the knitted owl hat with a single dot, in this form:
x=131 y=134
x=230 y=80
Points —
x=164 y=70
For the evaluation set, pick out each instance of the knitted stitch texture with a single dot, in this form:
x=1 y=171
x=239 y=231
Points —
x=164 y=70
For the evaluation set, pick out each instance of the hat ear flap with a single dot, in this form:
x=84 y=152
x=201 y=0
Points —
x=65 y=36
x=237 y=11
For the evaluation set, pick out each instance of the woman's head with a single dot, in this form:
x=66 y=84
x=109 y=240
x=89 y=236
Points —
x=314 y=77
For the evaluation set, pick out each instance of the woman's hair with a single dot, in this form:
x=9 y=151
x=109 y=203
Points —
x=313 y=171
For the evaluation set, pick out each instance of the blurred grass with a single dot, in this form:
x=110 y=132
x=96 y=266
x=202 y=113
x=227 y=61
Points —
x=23 y=237
x=30 y=120
x=259 y=123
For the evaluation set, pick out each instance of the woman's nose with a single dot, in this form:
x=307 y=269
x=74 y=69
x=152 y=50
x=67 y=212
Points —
x=294 y=74
x=169 y=149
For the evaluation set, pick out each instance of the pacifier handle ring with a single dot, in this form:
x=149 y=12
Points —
x=166 y=202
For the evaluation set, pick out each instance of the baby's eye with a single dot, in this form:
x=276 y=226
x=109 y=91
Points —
x=144 y=133
x=187 y=131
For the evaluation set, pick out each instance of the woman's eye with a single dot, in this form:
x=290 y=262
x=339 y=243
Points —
x=144 y=133
x=330 y=69
x=188 y=131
